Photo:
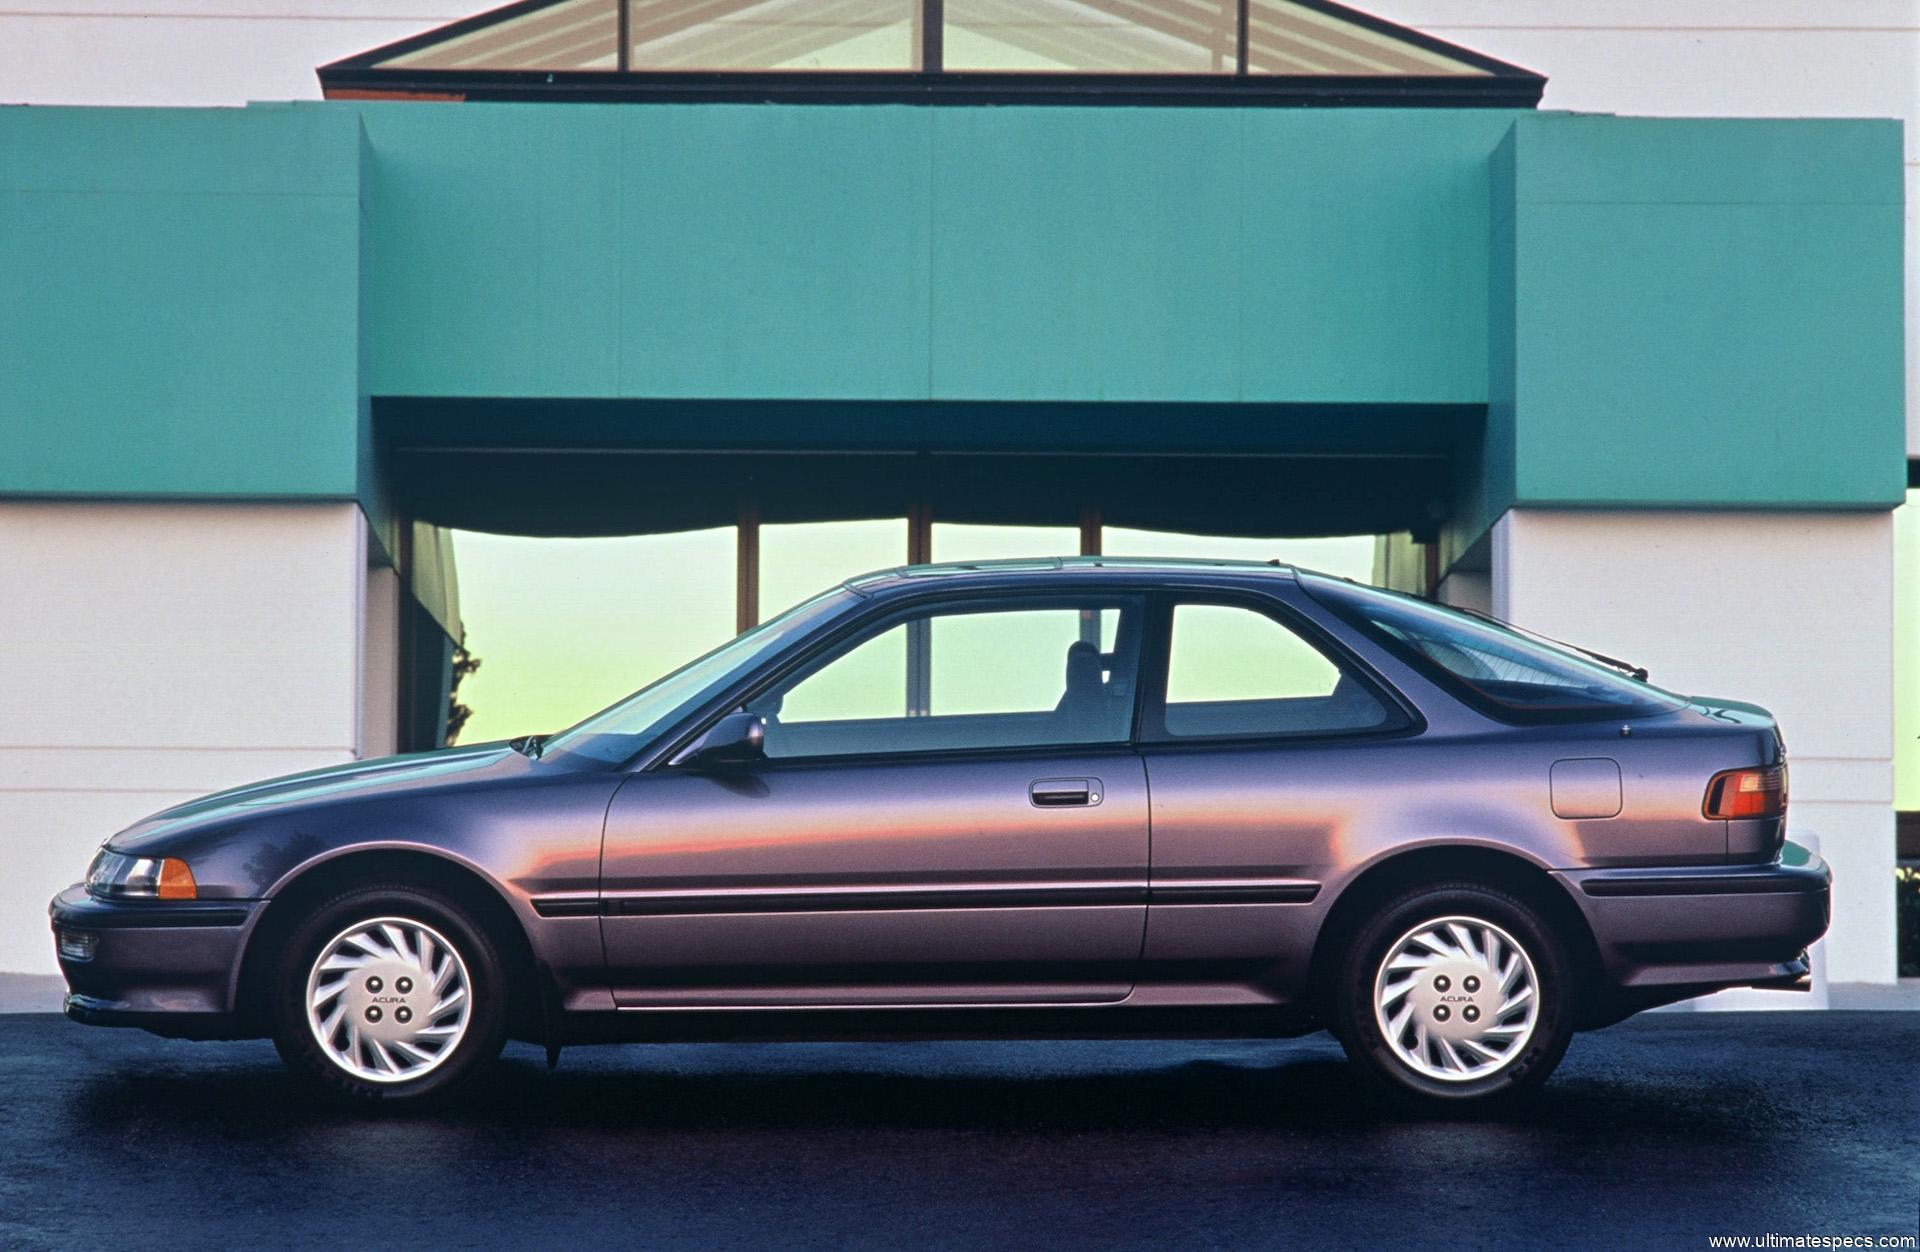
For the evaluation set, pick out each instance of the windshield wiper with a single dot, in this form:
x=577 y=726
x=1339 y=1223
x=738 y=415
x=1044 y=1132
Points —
x=528 y=746
x=1637 y=672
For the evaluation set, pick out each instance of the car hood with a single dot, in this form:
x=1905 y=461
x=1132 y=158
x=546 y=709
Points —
x=385 y=774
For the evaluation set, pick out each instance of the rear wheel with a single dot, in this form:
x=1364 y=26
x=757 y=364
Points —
x=389 y=993
x=1455 y=992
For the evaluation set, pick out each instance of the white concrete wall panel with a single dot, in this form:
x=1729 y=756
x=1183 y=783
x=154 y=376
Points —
x=194 y=52
x=380 y=663
x=1790 y=611
x=155 y=652
x=1467 y=589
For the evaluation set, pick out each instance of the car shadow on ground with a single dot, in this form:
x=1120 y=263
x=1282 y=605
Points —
x=708 y=1089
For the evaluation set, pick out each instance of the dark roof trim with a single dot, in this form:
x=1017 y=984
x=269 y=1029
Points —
x=812 y=87
x=1504 y=85
x=1150 y=427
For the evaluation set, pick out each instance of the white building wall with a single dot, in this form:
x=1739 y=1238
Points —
x=195 y=52
x=380 y=664
x=153 y=652
x=1467 y=589
x=1793 y=611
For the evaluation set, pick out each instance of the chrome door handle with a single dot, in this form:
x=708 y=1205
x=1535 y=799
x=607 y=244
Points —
x=1060 y=793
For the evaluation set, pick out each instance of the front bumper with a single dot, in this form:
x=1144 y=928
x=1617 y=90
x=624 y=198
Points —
x=172 y=968
x=1707 y=927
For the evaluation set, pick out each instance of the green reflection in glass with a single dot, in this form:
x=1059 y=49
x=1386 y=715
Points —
x=566 y=626
x=1345 y=556
x=1231 y=654
x=956 y=541
x=802 y=560
x=1224 y=652
x=779 y=35
x=868 y=683
x=1145 y=36
x=1906 y=654
x=1001 y=662
x=563 y=627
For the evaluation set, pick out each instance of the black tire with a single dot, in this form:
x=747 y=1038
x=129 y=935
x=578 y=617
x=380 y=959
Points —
x=487 y=1015
x=1360 y=1031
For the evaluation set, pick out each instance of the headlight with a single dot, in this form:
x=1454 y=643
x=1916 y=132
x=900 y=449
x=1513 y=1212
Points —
x=117 y=876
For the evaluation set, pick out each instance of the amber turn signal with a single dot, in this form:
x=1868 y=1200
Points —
x=176 y=881
x=1743 y=793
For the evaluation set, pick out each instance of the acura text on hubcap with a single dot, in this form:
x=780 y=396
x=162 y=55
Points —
x=388 y=999
x=1456 y=998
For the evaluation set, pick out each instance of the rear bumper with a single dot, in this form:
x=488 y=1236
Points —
x=170 y=968
x=1707 y=926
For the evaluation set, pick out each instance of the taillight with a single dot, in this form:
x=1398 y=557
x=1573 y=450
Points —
x=1738 y=793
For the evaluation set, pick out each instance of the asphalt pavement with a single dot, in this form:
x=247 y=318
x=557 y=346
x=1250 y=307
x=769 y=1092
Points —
x=1659 y=1133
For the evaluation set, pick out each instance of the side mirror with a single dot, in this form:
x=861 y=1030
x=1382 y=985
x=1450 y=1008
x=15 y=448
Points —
x=733 y=740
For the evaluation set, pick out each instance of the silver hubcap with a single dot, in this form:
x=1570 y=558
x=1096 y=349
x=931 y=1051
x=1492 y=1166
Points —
x=389 y=999
x=1456 y=998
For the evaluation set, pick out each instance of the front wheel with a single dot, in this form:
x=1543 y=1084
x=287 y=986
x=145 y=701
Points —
x=1455 y=992
x=389 y=993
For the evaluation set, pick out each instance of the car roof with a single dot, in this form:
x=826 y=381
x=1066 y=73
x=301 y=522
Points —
x=1014 y=571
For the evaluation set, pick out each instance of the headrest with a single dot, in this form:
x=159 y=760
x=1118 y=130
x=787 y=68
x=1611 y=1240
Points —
x=1083 y=666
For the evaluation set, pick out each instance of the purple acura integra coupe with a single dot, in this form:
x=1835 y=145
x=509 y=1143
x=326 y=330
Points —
x=1040 y=799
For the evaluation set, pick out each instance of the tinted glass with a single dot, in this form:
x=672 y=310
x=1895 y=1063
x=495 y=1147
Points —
x=1143 y=36
x=1235 y=671
x=1501 y=670
x=799 y=558
x=777 y=35
x=1283 y=37
x=566 y=626
x=1007 y=678
x=961 y=541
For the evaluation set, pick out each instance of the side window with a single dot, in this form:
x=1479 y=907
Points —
x=965 y=678
x=862 y=685
x=1235 y=671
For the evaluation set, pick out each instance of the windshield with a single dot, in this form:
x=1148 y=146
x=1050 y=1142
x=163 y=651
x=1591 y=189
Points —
x=1502 y=672
x=616 y=733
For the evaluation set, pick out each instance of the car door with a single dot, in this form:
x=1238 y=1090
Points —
x=1265 y=747
x=949 y=812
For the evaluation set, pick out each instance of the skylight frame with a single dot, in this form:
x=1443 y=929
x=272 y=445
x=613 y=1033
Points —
x=1492 y=83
